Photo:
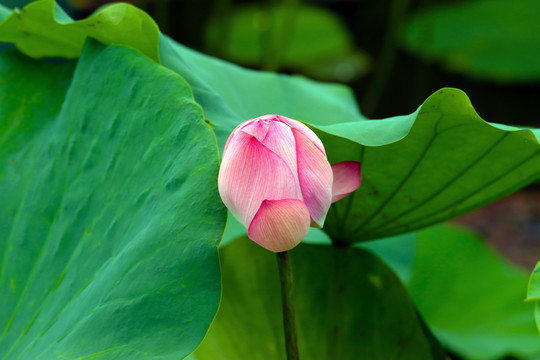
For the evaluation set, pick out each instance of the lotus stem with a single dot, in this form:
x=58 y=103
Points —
x=387 y=57
x=288 y=306
x=337 y=301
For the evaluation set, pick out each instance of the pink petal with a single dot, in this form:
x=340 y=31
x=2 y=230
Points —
x=251 y=173
x=280 y=140
x=256 y=127
x=230 y=139
x=347 y=178
x=280 y=225
x=240 y=127
x=307 y=132
x=315 y=176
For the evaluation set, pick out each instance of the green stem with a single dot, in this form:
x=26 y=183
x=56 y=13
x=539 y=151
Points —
x=336 y=302
x=398 y=10
x=287 y=300
x=161 y=15
x=222 y=16
x=278 y=34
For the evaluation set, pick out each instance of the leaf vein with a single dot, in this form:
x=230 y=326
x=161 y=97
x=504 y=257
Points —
x=447 y=185
x=399 y=186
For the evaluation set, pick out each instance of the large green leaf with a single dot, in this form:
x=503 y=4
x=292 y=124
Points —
x=493 y=39
x=230 y=94
x=109 y=212
x=4 y=12
x=31 y=96
x=349 y=306
x=43 y=29
x=470 y=297
x=533 y=293
x=449 y=163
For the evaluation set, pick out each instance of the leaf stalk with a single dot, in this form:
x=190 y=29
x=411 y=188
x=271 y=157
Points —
x=288 y=305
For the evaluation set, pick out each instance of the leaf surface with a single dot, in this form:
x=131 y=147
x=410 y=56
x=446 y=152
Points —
x=110 y=216
x=450 y=162
x=471 y=297
x=533 y=293
x=43 y=29
x=489 y=39
x=356 y=308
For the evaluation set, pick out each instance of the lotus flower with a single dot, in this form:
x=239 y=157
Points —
x=276 y=180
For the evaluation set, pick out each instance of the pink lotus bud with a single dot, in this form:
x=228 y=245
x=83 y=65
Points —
x=276 y=180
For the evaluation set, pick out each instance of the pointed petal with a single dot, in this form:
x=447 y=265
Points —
x=240 y=127
x=280 y=140
x=315 y=176
x=257 y=127
x=280 y=225
x=233 y=134
x=251 y=173
x=307 y=132
x=347 y=177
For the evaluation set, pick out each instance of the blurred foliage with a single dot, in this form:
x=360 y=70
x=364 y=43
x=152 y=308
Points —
x=308 y=39
x=512 y=226
x=533 y=293
x=491 y=39
x=471 y=297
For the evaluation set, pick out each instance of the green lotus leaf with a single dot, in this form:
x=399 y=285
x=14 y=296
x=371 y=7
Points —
x=310 y=39
x=109 y=212
x=450 y=162
x=43 y=29
x=470 y=296
x=533 y=293
x=349 y=305
x=230 y=94
x=4 y=12
x=488 y=39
